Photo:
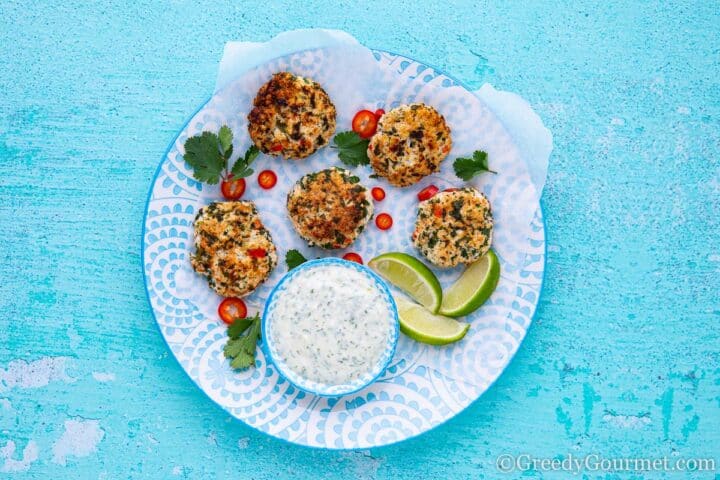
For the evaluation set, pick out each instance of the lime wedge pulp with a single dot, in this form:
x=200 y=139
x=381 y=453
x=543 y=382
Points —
x=411 y=276
x=473 y=288
x=419 y=324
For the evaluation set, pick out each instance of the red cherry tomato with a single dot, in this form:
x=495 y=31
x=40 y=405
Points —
x=233 y=189
x=451 y=190
x=364 y=123
x=267 y=179
x=231 y=309
x=257 y=252
x=383 y=221
x=353 y=257
x=379 y=113
x=427 y=193
x=378 y=194
x=438 y=211
x=277 y=147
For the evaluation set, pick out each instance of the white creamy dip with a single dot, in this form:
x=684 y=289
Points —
x=331 y=324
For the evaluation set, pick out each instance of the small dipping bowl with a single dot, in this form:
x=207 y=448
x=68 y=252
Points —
x=320 y=335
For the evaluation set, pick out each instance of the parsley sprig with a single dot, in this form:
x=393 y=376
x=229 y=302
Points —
x=467 y=168
x=352 y=149
x=240 y=349
x=208 y=155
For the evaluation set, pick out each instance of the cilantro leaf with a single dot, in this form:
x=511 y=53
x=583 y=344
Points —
x=234 y=346
x=238 y=327
x=240 y=168
x=251 y=154
x=294 y=258
x=243 y=360
x=240 y=349
x=353 y=179
x=352 y=149
x=208 y=155
x=225 y=136
x=202 y=153
x=467 y=168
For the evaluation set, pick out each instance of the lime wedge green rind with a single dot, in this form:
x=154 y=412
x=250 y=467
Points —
x=411 y=276
x=473 y=288
x=419 y=324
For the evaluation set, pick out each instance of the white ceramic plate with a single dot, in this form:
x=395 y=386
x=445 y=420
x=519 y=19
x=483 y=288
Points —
x=424 y=385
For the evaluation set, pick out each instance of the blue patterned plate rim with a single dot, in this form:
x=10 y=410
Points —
x=332 y=390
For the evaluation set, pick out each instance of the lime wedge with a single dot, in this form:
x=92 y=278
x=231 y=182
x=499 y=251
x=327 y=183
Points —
x=419 y=324
x=473 y=288
x=411 y=276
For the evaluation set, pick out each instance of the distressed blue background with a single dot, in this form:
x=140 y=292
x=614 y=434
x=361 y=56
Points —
x=623 y=356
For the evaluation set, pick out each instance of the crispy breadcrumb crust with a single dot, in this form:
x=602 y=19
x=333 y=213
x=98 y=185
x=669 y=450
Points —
x=454 y=227
x=411 y=141
x=329 y=208
x=292 y=117
x=229 y=241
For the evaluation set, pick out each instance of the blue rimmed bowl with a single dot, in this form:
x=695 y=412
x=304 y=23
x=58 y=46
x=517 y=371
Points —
x=324 y=389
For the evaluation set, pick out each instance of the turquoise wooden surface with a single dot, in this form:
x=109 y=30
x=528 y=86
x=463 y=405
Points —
x=623 y=356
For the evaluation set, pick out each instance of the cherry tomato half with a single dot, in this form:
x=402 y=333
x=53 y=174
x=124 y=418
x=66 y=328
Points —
x=277 y=147
x=378 y=194
x=383 y=221
x=427 y=193
x=231 y=309
x=438 y=211
x=364 y=123
x=267 y=179
x=451 y=190
x=379 y=113
x=257 y=252
x=353 y=257
x=233 y=189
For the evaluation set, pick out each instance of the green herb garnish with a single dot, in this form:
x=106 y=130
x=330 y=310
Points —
x=241 y=167
x=202 y=153
x=225 y=138
x=208 y=155
x=240 y=349
x=467 y=168
x=294 y=258
x=352 y=149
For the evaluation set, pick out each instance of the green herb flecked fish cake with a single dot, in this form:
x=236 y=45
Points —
x=411 y=141
x=329 y=208
x=233 y=249
x=454 y=227
x=292 y=117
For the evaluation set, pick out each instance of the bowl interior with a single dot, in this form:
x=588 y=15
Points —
x=319 y=388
